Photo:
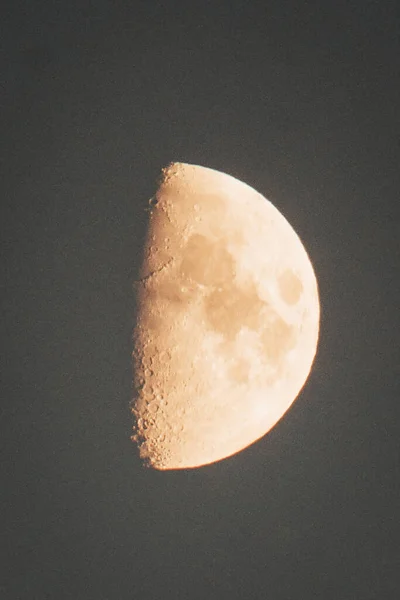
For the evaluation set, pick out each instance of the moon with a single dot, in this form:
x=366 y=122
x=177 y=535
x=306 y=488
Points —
x=227 y=320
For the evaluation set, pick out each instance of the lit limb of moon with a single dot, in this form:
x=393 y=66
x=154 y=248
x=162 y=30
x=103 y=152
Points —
x=227 y=320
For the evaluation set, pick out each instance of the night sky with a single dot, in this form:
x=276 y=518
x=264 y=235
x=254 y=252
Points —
x=300 y=101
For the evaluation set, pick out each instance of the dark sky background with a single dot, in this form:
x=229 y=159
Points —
x=300 y=101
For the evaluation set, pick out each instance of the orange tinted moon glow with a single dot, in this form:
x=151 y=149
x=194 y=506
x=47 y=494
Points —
x=227 y=320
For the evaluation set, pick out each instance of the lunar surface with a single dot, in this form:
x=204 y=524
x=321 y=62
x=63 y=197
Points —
x=227 y=320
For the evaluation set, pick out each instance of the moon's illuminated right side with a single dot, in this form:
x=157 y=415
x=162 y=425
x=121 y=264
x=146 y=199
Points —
x=227 y=322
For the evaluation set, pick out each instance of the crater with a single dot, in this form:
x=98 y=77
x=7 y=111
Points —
x=206 y=262
x=230 y=308
x=277 y=339
x=290 y=287
x=172 y=292
x=240 y=371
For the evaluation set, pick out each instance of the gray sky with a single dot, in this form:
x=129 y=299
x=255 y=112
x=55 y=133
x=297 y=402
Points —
x=302 y=104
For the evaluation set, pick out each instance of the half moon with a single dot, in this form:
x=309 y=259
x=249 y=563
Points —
x=227 y=320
